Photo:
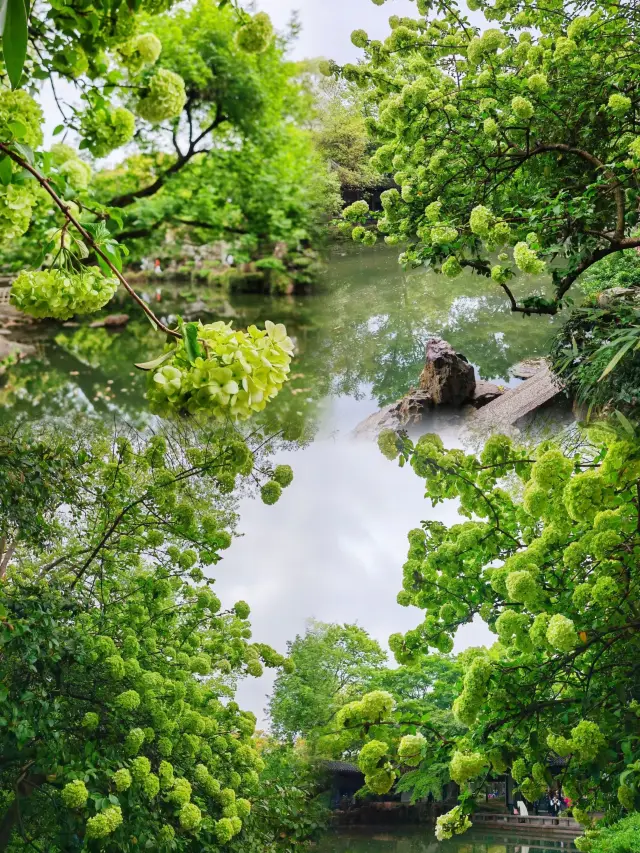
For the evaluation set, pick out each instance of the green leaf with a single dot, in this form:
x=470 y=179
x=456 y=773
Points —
x=14 y=40
x=25 y=151
x=625 y=423
x=113 y=255
x=18 y=129
x=617 y=357
x=6 y=171
x=151 y=365
x=58 y=129
x=191 y=345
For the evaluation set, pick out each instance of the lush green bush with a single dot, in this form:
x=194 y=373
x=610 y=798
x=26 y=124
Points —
x=118 y=724
x=291 y=809
x=622 y=837
x=595 y=355
x=621 y=270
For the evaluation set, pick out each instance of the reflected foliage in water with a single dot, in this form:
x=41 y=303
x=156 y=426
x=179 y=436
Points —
x=361 y=334
x=422 y=840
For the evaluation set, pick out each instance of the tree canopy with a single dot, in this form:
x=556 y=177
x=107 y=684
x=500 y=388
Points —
x=118 y=724
x=520 y=140
x=333 y=663
x=546 y=556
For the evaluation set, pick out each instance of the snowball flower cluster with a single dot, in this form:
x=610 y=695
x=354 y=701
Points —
x=527 y=260
x=255 y=36
x=16 y=205
x=141 y=50
x=106 y=129
x=619 y=104
x=453 y=822
x=481 y=220
x=104 y=823
x=75 y=795
x=239 y=374
x=60 y=294
x=561 y=633
x=452 y=267
x=165 y=97
x=18 y=106
x=411 y=749
x=522 y=108
x=538 y=83
x=466 y=765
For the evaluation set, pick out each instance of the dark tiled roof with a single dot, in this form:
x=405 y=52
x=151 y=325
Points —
x=340 y=767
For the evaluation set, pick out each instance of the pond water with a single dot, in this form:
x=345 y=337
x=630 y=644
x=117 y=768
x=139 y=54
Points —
x=422 y=840
x=333 y=546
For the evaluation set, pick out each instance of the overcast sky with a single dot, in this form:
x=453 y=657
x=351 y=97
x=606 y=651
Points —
x=327 y=24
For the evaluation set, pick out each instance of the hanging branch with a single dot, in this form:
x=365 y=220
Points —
x=64 y=207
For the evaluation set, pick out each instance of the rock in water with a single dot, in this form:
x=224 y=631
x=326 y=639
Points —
x=447 y=378
x=485 y=392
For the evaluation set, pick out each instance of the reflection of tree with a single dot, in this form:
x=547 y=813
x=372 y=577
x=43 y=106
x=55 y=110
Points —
x=376 y=319
x=363 y=333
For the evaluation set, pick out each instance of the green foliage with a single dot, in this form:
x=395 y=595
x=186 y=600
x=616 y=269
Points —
x=501 y=127
x=290 y=811
x=596 y=356
x=621 y=837
x=332 y=665
x=572 y=535
x=119 y=664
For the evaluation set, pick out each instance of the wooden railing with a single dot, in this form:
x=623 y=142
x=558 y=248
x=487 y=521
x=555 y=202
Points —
x=547 y=823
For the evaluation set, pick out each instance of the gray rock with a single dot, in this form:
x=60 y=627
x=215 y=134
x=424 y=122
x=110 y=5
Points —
x=512 y=409
x=617 y=294
x=110 y=321
x=484 y=393
x=527 y=368
x=447 y=378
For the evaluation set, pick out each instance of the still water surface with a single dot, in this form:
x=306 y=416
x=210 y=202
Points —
x=333 y=546
x=422 y=840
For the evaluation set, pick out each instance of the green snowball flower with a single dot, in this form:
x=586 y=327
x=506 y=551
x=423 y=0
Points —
x=75 y=795
x=256 y=35
x=527 y=260
x=165 y=97
x=271 y=492
x=465 y=766
x=224 y=830
x=17 y=106
x=90 y=721
x=128 y=701
x=59 y=294
x=522 y=108
x=104 y=823
x=561 y=633
x=122 y=780
x=106 y=129
x=134 y=741
x=452 y=267
x=619 y=104
x=190 y=817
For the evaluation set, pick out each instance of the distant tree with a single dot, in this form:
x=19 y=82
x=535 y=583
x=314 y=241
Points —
x=332 y=665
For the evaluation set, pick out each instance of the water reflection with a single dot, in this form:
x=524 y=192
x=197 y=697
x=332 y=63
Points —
x=361 y=336
x=422 y=840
